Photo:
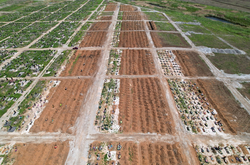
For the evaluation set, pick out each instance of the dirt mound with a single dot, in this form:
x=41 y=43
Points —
x=110 y=7
x=133 y=39
x=168 y=40
x=137 y=62
x=63 y=107
x=40 y=154
x=82 y=63
x=143 y=107
x=96 y=39
x=131 y=16
x=151 y=25
x=133 y=25
x=127 y=8
x=100 y=26
x=235 y=117
x=192 y=64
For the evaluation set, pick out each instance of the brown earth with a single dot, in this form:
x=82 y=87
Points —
x=131 y=16
x=132 y=25
x=106 y=18
x=127 y=8
x=63 y=107
x=143 y=107
x=229 y=111
x=100 y=26
x=160 y=41
x=95 y=39
x=151 y=25
x=133 y=39
x=110 y=7
x=40 y=154
x=137 y=62
x=192 y=64
x=157 y=153
x=83 y=63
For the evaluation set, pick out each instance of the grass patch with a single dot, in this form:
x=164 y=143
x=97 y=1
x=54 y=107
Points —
x=164 y=26
x=238 y=41
x=171 y=40
x=155 y=16
x=245 y=91
x=230 y=63
x=194 y=28
x=210 y=41
x=12 y=7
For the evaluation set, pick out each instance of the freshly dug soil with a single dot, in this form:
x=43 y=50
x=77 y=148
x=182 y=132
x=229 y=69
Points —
x=133 y=39
x=100 y=26
x=94 y=39
x=127 y=8
x=132 y=25
x=151 y=25
x=110 y=7
x=132 y=16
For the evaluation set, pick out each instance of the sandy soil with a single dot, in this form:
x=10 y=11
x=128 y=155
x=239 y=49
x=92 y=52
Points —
x=133 y=39
x=158 y=153
x=137 y=62
x=161 y=42
x=151 y=25
x=40 y=154
x=132 y=25
x=127 y=8
x=192 y=64
x=235 y=117
x=110 y=7
x=63 y=107
x=143 y=107
x=82 y=63
x=131 y=16
x=96 y=39
x=100 y=26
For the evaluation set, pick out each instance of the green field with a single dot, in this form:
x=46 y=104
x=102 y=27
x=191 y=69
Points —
x=164 y=26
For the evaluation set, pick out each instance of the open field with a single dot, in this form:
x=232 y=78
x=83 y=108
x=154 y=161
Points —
x=140 y=108
x=192 y=64
x=245 y=91
x=160 y=26
x=132 y=25
x=63 y=108
x=93 y=39
x=41 y=153
x=82 y=63
x=133 y=39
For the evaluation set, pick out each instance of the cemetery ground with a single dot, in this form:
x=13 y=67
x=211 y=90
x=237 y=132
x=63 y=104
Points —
x=92 y=81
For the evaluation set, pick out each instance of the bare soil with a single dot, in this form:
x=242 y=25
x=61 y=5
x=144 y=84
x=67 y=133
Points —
x=40 y=154
x=133 y=39
x=127 y=8
x=63 y=107
x=94 y=39
x=110 y=7
x=133 y=25
x=100 y=26
x=143 y=107
x=229 y=110
x=137 y=62
x=132 y=16
x=106 y=18
x=151 y=25
x=192 y=64
x=83 y=63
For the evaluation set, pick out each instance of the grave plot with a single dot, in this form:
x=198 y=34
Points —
x=10 y=29
x=192 y=64
x=114 y=63
x=105 y=18
x=100 y=26
x=33 y=17
x=229 y=110
x=82 y=63
x=107 y=13
x=128 y=152
x=10 y=91
x=94 y=39
x=197 y=112
x=5 y=55
x=223 y=153
x=143 y=107
x=7 y=17
x=168 y=40
x=115 y=39
x=63 y=106
x=111 y=7
x=137 y=62
x=57 y=16
x=127 y=8
x=132 y=25
x=131 y=16
x=108 y=111
x=118 y=25
x=133 y=39
x=29 y=63
x=38 y=153
x=27 y=35
x=78 y=16
x=169 y=64
x=58 y=36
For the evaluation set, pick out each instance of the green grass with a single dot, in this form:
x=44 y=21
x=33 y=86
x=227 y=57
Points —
x=107 y=13
x=12 y=7
x=238 y=41
x=210 y=41
x=155 y=16
x=164 y=26
x=245 y=91
x=171 y=39
x=79 y=35
x=232 y=64
x=194 y=28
